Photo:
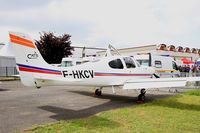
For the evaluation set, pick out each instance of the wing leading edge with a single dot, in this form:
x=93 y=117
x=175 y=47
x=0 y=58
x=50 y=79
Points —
x=158 y=82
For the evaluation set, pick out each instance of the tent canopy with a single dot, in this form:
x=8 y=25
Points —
x=187 y=61
x=6 y=51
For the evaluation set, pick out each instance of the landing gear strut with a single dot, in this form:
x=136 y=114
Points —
x=141 y=97
x=98 y=92
x=36 y=85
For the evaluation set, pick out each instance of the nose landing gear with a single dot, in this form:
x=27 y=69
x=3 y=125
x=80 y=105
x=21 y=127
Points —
x=141 y=97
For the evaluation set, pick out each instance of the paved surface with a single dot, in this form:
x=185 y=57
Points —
x=22 y=107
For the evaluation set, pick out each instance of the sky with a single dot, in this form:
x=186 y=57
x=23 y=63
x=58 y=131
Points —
x=97 y=23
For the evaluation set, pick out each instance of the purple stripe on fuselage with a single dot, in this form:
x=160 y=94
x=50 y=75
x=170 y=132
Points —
x=120 y=74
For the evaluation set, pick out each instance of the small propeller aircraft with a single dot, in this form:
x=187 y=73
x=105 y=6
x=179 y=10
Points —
x=123 y=71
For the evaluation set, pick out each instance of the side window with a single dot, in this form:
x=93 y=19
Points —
x=129 y=62
x=144 y=62
x=116 y=64
x=158 y=64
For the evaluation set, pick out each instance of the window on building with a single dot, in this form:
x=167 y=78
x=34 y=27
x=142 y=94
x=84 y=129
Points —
x=116 y=64
x=129 y=62
x=158 y=64
x=78 y=63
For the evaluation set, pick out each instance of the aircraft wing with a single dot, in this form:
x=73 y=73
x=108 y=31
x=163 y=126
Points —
x=192 y=79
x=158 y=82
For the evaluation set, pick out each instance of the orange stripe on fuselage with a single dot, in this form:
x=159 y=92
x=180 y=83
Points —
x=21 y=41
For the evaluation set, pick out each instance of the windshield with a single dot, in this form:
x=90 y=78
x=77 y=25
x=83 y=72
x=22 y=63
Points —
x=116 y=64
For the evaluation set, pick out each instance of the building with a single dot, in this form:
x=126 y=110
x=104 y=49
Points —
x=7 y=62
x=162 y=49
x=1 y=45
x=85 y=51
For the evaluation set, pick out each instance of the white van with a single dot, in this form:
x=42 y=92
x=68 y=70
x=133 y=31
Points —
x=164 y=66
x=70 y=61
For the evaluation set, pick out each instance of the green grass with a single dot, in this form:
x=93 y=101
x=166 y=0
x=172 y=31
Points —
x=177 y=114
x=194 y=92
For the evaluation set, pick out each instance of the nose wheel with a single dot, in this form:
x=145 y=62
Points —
x=141 y=97
x=98 y=92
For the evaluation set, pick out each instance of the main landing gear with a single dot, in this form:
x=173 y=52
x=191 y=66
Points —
x=37 y=86
x=98 y=92
x=141 y=97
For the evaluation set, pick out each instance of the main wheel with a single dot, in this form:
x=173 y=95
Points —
x=142 y=91
x=141 y=97
x=98 y=92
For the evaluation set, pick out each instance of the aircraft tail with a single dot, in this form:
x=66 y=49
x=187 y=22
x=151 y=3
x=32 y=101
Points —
x=29 y=61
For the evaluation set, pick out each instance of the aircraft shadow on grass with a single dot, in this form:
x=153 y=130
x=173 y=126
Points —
x=115 y=101
x=174 y=103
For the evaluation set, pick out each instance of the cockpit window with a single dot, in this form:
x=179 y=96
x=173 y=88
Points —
x=129 y=62
x=116 y=64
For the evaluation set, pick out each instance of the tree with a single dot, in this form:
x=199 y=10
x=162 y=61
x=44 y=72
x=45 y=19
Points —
x=54 y=48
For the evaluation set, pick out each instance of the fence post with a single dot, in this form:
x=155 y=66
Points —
x=14 y=70
x=6 y=71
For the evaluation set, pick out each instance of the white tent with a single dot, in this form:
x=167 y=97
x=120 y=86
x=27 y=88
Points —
x=7 y=61
x=6 y=51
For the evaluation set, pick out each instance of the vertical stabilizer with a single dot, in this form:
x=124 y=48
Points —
x=29 y=61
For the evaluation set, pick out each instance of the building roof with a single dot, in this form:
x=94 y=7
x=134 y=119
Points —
x=137 y=47
x=144 y=46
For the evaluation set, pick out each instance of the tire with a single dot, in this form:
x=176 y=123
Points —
x=98 y=92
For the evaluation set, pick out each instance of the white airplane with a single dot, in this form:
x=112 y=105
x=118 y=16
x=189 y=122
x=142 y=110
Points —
x=107 y=71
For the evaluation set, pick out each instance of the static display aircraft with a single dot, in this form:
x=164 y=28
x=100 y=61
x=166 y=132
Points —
x=123 y=71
